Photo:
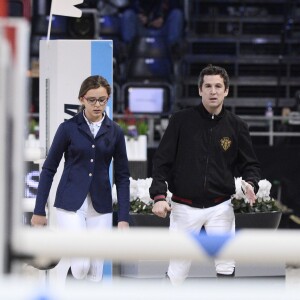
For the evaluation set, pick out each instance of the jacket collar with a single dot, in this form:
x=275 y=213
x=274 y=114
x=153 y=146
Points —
x=83 y=126
x=208 y=115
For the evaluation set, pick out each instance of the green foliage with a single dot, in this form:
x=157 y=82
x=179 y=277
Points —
x=138 y=206
x=123 y=126
x=133 y=127
x=240 y=206
x=142 y=127
x=32 y=126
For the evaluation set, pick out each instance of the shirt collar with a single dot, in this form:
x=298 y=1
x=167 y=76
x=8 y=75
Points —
x=93 y=123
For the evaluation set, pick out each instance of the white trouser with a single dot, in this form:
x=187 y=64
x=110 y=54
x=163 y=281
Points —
x=84 y=218
x=217 y=219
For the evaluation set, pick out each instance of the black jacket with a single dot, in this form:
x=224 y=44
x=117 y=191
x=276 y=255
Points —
x=200 y=154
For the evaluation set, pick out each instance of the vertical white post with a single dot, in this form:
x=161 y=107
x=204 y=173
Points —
x=14 y=45
x=4 y=67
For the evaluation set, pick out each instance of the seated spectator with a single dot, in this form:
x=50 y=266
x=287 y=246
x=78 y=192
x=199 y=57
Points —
x=152 y=18
x=109 y=28
x=111 y=7
x=109 y=16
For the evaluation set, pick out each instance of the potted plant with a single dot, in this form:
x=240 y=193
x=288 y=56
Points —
x=141 y=204
x=135 y=131
x=265 y=213
x=133 y=127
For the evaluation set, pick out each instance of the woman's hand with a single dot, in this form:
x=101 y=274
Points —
x=123 y=225
x=37 y=220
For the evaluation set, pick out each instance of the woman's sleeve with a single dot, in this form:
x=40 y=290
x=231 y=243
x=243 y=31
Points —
x=56 y=151
x=121 y=175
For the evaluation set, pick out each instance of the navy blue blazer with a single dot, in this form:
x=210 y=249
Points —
x=86 y=168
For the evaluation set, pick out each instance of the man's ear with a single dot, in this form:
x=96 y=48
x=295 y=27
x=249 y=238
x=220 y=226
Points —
x=227 y=92
x=200 y=91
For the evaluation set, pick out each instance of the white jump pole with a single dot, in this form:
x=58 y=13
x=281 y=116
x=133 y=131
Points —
x=14 y=53
x=265 y=246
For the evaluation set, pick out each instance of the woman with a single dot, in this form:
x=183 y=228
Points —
x=88 y=141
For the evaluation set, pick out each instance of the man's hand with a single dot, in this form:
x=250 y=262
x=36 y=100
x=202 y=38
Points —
x=161 y=208
x=249 y=192
x=37 y=220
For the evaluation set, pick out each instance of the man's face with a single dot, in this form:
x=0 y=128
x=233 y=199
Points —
x=213 y=93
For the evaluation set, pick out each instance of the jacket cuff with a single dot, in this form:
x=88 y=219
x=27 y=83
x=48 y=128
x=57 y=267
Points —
x=159 y=198
x=39 y=213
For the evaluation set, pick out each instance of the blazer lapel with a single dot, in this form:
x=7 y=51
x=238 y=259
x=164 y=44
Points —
x=104 y=127
x=83 y=126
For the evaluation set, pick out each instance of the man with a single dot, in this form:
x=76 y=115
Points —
x=198 y=156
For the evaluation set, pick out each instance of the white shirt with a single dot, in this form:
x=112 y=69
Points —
x=94 y=126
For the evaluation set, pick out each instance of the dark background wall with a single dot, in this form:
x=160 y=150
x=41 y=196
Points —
x=282 y=164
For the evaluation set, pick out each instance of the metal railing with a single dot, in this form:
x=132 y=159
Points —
x=270 y=127
x=267 y=124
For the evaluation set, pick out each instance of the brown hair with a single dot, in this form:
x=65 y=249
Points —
x=214 y=70
x=94 y=82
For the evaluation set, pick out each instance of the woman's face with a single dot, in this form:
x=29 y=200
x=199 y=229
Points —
x=95 y=101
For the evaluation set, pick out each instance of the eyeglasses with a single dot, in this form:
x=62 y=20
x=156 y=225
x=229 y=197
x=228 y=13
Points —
x=93 y=100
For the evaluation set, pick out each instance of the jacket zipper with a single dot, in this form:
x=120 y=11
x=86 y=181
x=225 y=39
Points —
x=207 y=158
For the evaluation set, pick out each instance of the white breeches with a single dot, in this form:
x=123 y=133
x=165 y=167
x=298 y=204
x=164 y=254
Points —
x=217 y=219
x=85 y=218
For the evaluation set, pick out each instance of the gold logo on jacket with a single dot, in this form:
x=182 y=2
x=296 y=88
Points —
x=225 y=143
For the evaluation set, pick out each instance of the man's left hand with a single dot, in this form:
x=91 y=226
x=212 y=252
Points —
x=249 y=192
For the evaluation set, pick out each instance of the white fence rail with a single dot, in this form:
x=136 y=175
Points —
x=266 y=246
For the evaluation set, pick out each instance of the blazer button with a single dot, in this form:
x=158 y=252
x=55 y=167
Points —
x=92 y=160
x=93 y=146
x=90 y=174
